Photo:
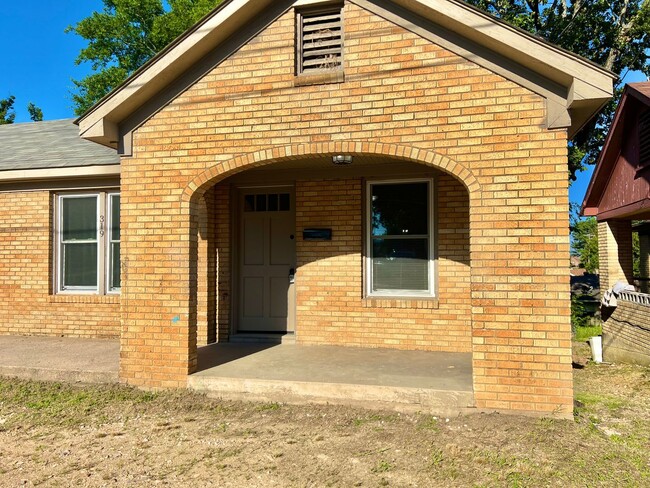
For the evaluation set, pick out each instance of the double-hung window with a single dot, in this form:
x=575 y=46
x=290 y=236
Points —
x=88 y=242
x=400 y=238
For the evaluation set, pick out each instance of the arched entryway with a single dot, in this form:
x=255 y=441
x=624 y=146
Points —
x=346 y=265
x=334 y=303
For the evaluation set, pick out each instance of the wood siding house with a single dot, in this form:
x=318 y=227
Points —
x=619 y=197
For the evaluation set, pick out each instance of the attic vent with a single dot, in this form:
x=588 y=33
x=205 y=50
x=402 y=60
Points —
x=644 y=139
x=320 y=41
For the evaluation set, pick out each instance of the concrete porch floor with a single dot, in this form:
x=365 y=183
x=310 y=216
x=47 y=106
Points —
x=373 y=378
x=60 y=359
x=285 y=373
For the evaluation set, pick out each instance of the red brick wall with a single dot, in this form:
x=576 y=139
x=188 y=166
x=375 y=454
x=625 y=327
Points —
x=27 y=305
x=405 y=98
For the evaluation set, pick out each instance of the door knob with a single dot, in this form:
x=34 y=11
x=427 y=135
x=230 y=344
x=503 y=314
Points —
x=292 y=276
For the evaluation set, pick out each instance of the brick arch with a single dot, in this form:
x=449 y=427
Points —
x=200 y=184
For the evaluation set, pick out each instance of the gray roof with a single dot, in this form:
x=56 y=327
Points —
x=51 y=144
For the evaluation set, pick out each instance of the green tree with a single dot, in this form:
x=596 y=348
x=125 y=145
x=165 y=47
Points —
x=612 y=33
x=35 y=113
x=584 y=242
x=125 y=35
x=7 y=113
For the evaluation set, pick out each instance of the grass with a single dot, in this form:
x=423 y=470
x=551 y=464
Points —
x=89 y=435
x=583 y=333
x=64 y=403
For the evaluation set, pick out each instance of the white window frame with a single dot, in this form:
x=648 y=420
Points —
x=431 y=292
x=102 y=241
x=108 y=260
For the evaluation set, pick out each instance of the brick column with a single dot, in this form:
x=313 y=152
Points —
x=614 y=252
x=519 y=241
x=159 y=301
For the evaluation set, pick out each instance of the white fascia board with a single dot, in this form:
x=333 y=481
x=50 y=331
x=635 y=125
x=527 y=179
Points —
x=54 y=173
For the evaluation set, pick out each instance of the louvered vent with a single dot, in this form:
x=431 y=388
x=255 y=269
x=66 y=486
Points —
x=644 y=139
x=321 y=41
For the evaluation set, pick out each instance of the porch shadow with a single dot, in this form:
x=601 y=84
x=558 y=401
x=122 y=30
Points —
x=214 y=355
x=434 y=382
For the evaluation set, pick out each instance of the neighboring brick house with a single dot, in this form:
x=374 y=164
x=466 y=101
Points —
x=41 y=165
x=446 y=231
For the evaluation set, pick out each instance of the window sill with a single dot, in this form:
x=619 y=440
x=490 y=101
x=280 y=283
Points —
x=65 y=298
x=401 y=302
x=324 y=78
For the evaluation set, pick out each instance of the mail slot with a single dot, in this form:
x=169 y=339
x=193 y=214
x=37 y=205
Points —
x=317 y=235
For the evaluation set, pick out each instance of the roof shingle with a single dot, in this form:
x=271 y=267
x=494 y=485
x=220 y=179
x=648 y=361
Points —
x=51 y=144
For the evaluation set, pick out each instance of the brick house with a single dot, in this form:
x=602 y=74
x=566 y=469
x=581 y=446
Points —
x=361 y=173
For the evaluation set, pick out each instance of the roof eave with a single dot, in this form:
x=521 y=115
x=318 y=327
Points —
x=587 y=85
x=605 y=162
x=101 y=122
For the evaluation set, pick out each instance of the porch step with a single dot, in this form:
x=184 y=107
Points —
x=401 y=399
x=259 y=338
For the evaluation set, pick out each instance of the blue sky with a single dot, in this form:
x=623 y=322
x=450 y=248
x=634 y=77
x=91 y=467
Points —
x=38 y=56
x=38 y=60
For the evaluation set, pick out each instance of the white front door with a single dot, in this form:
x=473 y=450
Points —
x=267 y=260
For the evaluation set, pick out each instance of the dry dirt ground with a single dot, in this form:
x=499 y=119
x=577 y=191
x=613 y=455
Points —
x=66 y=435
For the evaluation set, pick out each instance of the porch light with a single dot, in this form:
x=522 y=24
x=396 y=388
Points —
x=342 y=159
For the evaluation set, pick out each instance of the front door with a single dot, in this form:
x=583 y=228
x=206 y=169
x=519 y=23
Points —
x=267 y=260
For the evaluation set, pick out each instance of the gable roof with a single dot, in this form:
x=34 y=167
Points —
x=575 y=88
x=612 y=166
x=27 y=147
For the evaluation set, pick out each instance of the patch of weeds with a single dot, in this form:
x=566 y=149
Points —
x=516 y=479
x=265 y=407
x=583 y=333
x=383 y=467
x=46 y=402
x=429 y=422
x=547 y=422
x=146 y=397
x=495 y=459
x=436 y=458
x=594 y=400
x=373 y=417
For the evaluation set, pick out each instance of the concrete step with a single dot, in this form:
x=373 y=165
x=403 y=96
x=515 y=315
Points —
x=377 y=397
x=257 y=338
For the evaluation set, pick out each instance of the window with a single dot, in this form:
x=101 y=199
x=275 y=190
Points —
x=272 y=202
x=320 y=41
x=87 y=236
x=400 y=242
